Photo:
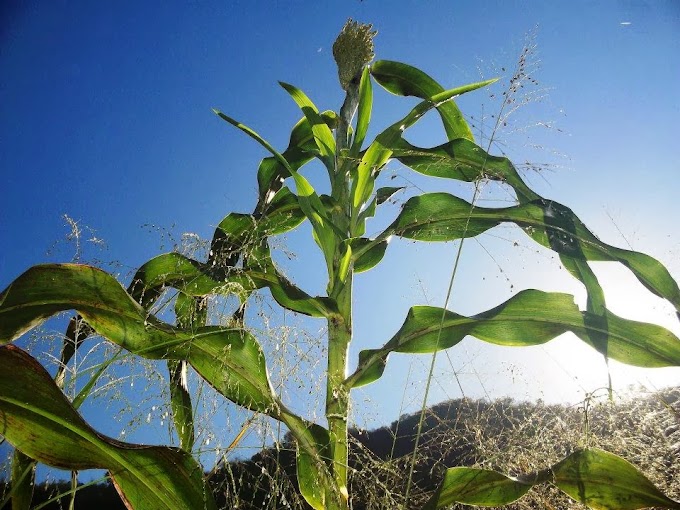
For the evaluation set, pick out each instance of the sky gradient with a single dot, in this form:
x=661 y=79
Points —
x=105 y=116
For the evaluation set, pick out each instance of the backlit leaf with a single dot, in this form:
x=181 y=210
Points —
x=531 y=317
x=363 y=111
x=463 y=160
x=598 y=479
x=230 y=359
x=405 y=80
x=444 y=217
x=479 y=487
x=604 y=481
x=380 y=150
x=39 y=420
x=322 y=133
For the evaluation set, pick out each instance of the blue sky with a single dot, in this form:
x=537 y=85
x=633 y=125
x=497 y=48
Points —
x=105 y=115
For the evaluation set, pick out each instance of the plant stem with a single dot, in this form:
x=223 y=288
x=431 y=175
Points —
x=337 y=394
x=340 y=324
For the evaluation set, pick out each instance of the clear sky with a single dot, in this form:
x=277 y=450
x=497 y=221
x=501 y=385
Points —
x=105 y=116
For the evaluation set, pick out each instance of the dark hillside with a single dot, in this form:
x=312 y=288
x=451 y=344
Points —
x=513 y=437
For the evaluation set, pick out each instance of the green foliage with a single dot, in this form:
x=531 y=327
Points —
x=232 y=361
x=40 y=421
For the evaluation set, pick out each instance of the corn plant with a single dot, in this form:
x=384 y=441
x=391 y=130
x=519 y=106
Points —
x=44 y=426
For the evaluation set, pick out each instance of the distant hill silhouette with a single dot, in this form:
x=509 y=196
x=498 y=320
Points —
x=506 y=435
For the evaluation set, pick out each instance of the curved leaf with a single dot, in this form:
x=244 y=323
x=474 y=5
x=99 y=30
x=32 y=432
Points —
x=463 y=160
x=38 y=419
x=227 y=358
x=531 y=317
x=604 y=481
x=405 y=80
x=380 y=150
x=324 y=230
x=312 y=461
x=191 y=313
x=444 y=217
x=480 y=487
x=596 y=478
x=301 y=149
x=195 y=279
x=369 y=258
x=231 y=360
x=322 y=133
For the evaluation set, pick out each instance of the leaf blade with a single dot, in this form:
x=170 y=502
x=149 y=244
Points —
x=39 y=420
x=604 y=481
x=405 y=80
x=531 y=317
x=230 y=359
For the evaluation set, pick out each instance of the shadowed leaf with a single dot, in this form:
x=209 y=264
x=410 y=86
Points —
x=39 y=420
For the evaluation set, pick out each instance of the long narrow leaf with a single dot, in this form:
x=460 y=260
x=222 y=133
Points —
x=405 y=80
x=531 y=317
x=191 y=313
x=463 y=160
x=479 y=487
x=227 y=358
x=444 y=217
x=596 y=478
x=363 y=111
x=379 y=152
x=230 y=359
x=324 y=229
x=194 y=278
x=39 y=420
x=604 y=481
x=301 y=149
x=322 y=133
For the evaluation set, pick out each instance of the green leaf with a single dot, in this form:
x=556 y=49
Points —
x=368 y=212
x=598 y=479
x=371 y=162
x=322 y=133
x=39 y=420
x=479 y=487
x=444 y=217
x=191 y=313
x=345 y=263
x=230 y=359
x=463 y=160
x=22 y=481
x=282 y=215
x=301 y=149
x=384 y=194
x=363 y=111
x=255 y=137
x=405 y=80
x=313 y=471
x=379 y=152
x=531 y=317
x=369 y=258
x=196 y=279
x=324 y=230
x=604 y=481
